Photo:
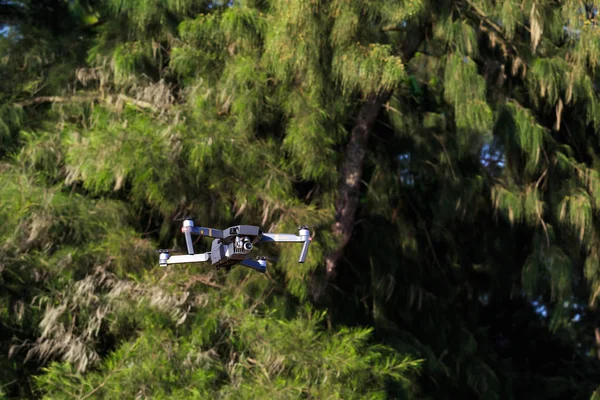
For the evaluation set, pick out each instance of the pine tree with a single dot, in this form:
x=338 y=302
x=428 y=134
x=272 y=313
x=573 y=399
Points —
x=444 y=155
x=133 y=130
x=495 y=199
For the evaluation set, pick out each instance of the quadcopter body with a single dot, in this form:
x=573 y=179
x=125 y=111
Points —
x=232 y=246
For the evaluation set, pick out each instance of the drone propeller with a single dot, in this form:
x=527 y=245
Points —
x=309 y=227
x=185 y=217
x=172 y=250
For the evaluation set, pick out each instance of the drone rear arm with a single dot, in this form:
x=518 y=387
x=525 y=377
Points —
x=304 y=237
x=281 y=237
x=188 y=228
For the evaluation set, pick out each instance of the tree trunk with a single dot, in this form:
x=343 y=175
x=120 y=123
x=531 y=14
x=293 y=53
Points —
x=351 y=171
x=597 y=335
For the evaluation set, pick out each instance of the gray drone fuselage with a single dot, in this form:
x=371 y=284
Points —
x=232 y=246
x=237 y=242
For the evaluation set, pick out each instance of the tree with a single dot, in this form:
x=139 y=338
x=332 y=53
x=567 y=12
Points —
x=469 y=193
x=443 y=154
x=224 y=351
x=132 y=130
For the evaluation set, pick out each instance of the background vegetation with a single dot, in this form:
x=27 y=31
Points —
x=445 y=155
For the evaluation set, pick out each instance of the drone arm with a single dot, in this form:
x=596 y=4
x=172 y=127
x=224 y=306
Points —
x=198 y=230
x=304 y=251
x=304 y=238
x=188 y=241
x=167 y=259
x=188 y=229
x=281 y=237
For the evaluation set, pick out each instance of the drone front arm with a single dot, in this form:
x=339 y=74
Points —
x=213 y=233
x=167 y=259
x=304 y=238
x=281 y=237
x=188 y=229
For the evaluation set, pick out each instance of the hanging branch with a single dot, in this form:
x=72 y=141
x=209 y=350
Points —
x=496 y=36
x=109 y=99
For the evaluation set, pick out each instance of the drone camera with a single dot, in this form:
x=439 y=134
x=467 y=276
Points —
x=248 y=246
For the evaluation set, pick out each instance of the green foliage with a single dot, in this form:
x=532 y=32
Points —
x=225 y=350
x=139 y=154
x=146 y=14
x=370 y=70
x=525 y=206
x=526 y=134
x=480 y=196
x=465 y=90
x=547 y=78
x=11 y=119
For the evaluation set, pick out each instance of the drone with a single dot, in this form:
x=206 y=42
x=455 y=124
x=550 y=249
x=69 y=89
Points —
x=232 y=246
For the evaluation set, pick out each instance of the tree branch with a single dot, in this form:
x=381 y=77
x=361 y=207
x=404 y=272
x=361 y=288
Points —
x=495 y=35
x=109 y=99
x=53 y=99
